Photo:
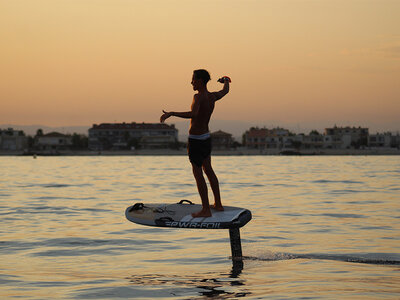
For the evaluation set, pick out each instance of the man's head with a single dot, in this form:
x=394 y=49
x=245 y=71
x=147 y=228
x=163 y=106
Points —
x=200 y=78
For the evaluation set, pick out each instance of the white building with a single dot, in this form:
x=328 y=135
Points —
x=13 y=140
x=263 y=138
x=345 y=137
x=53 y=141
x=385 y=140
x=118 y=136
x=313 y=141
x=221 y=140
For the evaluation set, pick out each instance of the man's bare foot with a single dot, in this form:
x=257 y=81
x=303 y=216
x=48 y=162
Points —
x=217 y=207
x=202 y=214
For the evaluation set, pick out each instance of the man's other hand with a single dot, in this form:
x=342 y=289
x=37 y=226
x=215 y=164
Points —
x=165 y=116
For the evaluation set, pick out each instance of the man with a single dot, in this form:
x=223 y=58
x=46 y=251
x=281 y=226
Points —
x=199 y=143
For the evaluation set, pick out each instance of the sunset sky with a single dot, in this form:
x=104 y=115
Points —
x=310 y=63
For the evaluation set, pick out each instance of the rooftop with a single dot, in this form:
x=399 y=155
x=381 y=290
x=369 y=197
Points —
x=54 y=134
x=134 y=125
x=220 y=133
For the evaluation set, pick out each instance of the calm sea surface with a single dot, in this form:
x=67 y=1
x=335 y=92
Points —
x=323 y=227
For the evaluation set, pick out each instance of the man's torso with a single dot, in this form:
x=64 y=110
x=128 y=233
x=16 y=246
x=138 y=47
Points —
x=199 y=124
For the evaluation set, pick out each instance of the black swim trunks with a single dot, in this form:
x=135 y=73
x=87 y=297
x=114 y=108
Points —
x=199 y=150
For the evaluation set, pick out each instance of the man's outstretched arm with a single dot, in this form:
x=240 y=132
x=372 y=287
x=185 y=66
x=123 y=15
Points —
x=167 y=114
x=184 y=115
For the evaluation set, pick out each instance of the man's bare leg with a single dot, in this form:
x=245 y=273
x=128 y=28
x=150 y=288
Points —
x=212 y=178
x=202 y=188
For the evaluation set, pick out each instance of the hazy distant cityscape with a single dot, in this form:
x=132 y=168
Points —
x=134 y=137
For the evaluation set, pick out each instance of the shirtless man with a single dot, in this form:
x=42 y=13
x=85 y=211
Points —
x=199 y=143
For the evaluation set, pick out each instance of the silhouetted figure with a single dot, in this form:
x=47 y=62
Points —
x=199 y=142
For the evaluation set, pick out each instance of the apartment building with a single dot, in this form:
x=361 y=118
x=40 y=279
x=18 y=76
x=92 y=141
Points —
x=385 y=140
x=221 y=140
x=13 y=140
x=121 y=136
x=263 y=138
x=345 y=137
x=53 y=141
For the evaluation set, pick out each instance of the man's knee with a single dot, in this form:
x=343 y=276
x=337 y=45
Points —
x=197 y=170
x=207 y=164
x=207 y=169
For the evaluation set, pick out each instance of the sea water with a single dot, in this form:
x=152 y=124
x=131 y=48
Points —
x=323 y=227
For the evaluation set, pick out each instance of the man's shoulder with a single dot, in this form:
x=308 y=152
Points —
x=200 y=97
x=205 y=97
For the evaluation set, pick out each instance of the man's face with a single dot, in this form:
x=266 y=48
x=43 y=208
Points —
x=195 y=83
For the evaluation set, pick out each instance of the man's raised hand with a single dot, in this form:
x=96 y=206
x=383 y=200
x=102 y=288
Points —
x=223 y=79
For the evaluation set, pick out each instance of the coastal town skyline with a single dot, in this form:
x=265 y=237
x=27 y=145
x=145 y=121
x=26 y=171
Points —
x=151 y=136
x=307 y=64
x=236 y=128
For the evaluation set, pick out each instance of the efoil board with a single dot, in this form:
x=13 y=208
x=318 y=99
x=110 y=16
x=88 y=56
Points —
x=179 y=215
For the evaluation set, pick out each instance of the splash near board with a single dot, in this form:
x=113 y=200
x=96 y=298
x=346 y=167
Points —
x=179 y=215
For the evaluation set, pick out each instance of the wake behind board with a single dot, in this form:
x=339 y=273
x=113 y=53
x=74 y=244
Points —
x=179 y=215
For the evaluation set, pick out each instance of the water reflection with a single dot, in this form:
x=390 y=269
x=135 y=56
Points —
x=224 y=285
x=237 y=267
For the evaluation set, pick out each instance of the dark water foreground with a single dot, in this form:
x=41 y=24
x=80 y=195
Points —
x=323 y=227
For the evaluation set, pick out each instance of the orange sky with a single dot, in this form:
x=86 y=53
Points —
x=78 y=62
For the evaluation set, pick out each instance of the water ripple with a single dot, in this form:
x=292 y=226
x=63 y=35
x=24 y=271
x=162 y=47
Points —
x=337 y=181
x=342 y=215
x=64 y=234
x=363 y=258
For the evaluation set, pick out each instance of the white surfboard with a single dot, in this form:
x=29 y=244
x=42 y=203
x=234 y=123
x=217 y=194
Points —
x=179 y=215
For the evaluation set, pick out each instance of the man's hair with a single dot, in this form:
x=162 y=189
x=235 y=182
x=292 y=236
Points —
x=202 y=74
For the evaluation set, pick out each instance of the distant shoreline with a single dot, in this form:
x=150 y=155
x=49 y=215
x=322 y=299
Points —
x=234 y=152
